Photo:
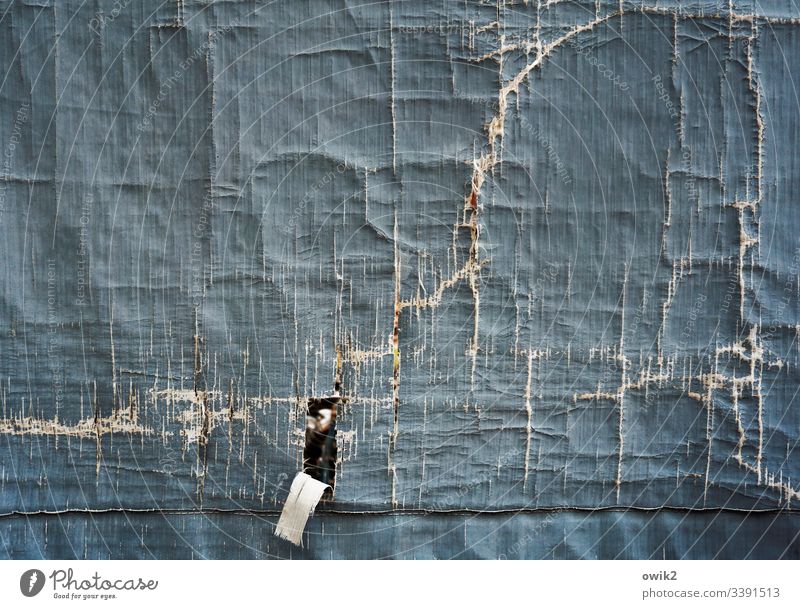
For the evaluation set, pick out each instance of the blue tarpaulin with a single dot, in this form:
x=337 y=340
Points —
x=550 y=249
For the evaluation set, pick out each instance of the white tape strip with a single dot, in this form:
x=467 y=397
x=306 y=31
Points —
x=304 y=495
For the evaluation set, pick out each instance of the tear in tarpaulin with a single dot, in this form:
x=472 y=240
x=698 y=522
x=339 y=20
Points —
x=319 y=454
x=319 y=467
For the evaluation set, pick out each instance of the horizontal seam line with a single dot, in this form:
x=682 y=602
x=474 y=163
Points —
x=409 y=512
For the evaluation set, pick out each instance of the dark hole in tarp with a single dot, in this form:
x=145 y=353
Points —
x=319 y=455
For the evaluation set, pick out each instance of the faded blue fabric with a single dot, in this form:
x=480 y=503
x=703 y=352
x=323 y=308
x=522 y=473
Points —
x=550 y=248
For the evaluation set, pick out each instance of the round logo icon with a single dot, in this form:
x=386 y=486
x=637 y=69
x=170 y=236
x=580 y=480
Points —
x=31 y=582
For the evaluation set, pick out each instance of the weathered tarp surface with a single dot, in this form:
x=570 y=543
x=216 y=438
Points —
x=550 y=247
